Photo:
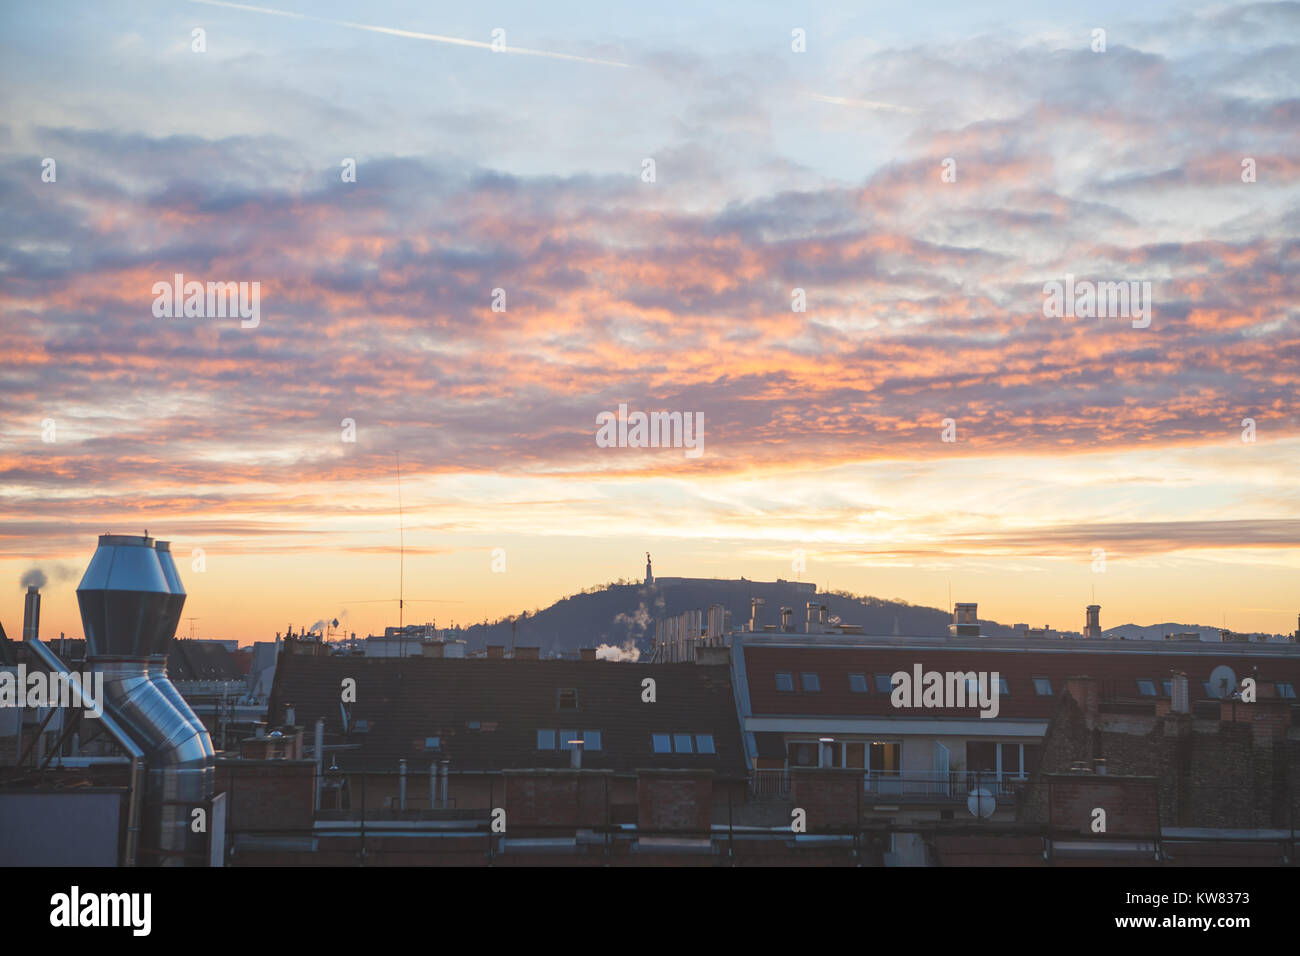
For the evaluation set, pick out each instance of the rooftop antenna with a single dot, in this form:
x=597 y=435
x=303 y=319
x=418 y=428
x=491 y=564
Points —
x=950 y=595
x=191 y=620
x=401 y=532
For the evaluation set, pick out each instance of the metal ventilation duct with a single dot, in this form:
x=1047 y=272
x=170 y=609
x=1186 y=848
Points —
x=129 y=612
x=157 y=669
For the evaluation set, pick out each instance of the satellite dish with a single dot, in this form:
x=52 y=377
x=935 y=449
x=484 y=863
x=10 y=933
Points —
x=1222 y=681
x=981 y=803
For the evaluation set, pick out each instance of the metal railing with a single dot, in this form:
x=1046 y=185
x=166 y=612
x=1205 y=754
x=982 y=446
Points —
x=956 y=784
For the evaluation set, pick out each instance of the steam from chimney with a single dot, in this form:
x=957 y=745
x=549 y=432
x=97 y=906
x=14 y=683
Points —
x=33 y=578
x=36 y=577
x=628 y=652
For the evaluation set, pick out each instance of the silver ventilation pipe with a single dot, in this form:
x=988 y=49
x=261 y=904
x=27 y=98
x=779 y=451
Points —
x=157 y=669
x=126 y=607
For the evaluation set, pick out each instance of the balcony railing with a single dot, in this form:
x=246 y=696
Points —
x=908 y=783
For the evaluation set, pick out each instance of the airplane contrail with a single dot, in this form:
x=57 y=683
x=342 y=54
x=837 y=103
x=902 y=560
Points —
x=862 y=104
x=413 y=34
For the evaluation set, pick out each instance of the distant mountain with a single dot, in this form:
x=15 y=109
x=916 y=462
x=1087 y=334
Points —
x=1157 y=632
x=623 y=615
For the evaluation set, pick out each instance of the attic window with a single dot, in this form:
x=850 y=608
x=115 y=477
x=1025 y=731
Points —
x=1043 y=686
x=1147 y=688
x=1286 y=689
x=566 y=698
x=784 y=681
x=432 y=743
x=810 y=683
x=858 y=683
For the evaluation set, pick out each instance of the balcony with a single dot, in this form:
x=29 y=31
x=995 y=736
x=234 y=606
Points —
x=907 y=784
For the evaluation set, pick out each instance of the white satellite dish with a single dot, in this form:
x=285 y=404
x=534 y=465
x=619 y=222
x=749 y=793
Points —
x=981 y=803
x=1222 y=681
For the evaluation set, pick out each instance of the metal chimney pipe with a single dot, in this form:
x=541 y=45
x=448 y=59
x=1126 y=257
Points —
x=126 y=607
x=157 y=669
x=32 y=613
x=575 y=755
x=320 y=755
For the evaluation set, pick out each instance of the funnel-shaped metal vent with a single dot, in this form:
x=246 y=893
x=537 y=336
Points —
x=124 y=600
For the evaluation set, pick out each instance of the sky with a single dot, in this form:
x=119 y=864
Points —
x=919 y=173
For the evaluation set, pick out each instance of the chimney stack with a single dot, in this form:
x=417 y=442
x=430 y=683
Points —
x=496 y=651
x=787 y=620
x=965 y=622
x=586 y=653
x=1093 y=628
x=754 y=623
x=1180 y=701
x=32 y=613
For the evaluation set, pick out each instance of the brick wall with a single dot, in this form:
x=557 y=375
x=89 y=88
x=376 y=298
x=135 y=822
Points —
x=555 y=798
x=1131 y=803
x=268 y=794
x=830 y=798
x=674 y=800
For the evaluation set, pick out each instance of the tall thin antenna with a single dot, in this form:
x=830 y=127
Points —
x=950 y=596
x=401 y=573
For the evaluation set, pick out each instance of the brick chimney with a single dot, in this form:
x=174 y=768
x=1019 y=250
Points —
x=496 y=651
x=586 y=653
x=1085 y=693
x=527 y=653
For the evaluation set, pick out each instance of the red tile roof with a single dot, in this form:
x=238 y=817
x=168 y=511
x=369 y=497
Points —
x=1117 y=668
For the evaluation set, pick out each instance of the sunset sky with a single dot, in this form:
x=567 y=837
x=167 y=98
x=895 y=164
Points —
x=522 y=170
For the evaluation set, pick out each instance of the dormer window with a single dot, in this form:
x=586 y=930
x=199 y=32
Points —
x=566 y=698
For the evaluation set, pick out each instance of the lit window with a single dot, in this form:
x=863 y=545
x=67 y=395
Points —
x=810 y=683
x=704 y=743
x=432 y=743
x=1286 y=689
x=661 y=743
x=784 y=681
x=591 y=740
x=567 y=737
x=884 y=684
x=1147 y=688
x=566 y=698
x=1042 y=687
x=858 y=683
x=682 y=744
x=545 y=740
